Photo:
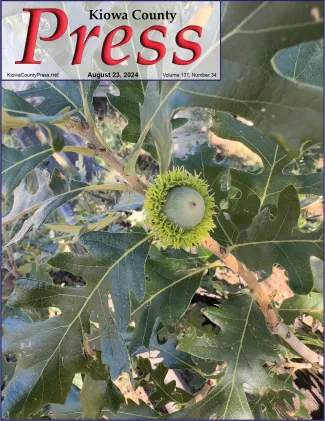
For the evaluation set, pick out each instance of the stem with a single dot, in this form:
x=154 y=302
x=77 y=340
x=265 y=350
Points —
x=297 y=366
x=284 y=332
x=256 y=288
x=96 y=143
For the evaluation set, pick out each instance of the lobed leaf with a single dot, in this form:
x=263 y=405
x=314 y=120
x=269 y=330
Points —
x=49 y=352
x=55 y=349
x=244 y=343
x=311 y=304
x=261 y=188
x=98 y=394
x=170 y=286
x=164 y=392
x=268 y=241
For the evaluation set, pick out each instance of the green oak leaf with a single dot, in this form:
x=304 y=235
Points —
x=16 y=112
x=303 y=63
x=70 y=410
x=57 y=96
x=202 y=161
x=61 y=95
x=170 y=286
x=131 y=96
x=118 y=259
x=158 y=123
x=177 y=360
x=277 y=405
x=317 y=267
x=50 y=195
x=43 y=205
x=50 y=352
x=55 y=136
x=261 y=188
x=268 y=241
x=24 y=202
x=312 y=304
x=111 y=264
x=98 y=394
x=251 y=86
x=244 y=343
x=16 y=106
x=164 y=392
x=16 y=164
x=132 y=411
x=310 y=339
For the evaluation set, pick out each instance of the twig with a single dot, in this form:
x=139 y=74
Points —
x=272 y=318
x=284 y=332
x=97 y=144
x=297 y=366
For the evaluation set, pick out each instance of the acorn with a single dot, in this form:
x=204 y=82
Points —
x=179 y=209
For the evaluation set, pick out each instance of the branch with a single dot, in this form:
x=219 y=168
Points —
x=284 y=332
x=297 y=366
x=96 y=143
x=272 y=318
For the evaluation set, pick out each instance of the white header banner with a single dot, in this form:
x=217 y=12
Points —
x=134 y=40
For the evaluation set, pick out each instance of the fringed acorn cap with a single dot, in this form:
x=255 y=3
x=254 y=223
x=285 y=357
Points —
x=179 y=209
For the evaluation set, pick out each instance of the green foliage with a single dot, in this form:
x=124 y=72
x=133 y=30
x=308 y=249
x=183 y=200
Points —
x=98 y=394
x=268 y=241
x=170 y=286
x=312 y=304
x=132 y=411
x=302 y=63
x=48 y=350
x=97 y=285
x=164 y=392
x=17 y=165
x=244 y=344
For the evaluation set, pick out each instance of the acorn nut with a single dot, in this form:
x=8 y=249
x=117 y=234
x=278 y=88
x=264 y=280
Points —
x=184 y=207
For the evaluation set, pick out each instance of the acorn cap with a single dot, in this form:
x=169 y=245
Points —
x=179 y=209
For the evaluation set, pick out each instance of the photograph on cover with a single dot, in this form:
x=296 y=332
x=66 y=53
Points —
x=162 y=210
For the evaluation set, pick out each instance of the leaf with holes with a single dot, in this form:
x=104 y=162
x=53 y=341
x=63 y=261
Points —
x=57 y=96
x=155 y=378
x=251 y=86
x=268 y=241
x=52 y=350
x=261 y=188
x=312 y=304
x=170 y=286
x=16 y=112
